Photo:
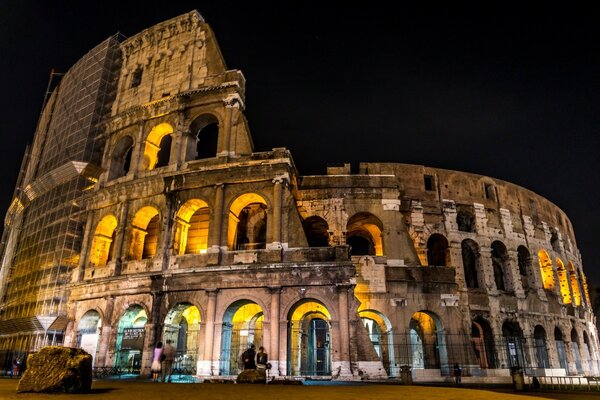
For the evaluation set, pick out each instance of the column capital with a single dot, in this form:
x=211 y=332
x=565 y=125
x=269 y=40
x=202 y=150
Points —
x=234 y=101
x=212 y=292
x=281 y=179
x=274 y=289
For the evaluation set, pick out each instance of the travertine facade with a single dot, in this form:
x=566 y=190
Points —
x=186 y=233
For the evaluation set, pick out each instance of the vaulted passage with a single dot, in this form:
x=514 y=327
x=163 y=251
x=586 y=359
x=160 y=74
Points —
x=130 y=339
x=181 y=327
x=364 y=232
x=248 y=222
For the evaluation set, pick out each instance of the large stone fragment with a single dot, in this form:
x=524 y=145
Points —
x=252 y=376
x=57 y=369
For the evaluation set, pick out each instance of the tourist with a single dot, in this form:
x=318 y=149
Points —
x=262 y=359
x=156 y=360
x=167 y=365
x=248 y=358
x=457 y=374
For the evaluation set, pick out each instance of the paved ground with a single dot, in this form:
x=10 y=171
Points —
x=139 y=390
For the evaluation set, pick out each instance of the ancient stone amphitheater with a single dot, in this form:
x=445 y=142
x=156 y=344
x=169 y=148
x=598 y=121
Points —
x=143 y=213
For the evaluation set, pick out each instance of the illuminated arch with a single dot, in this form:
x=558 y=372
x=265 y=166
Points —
x=428 y=341
x=563 y=281
x=181 y=327
x=129 y=344
x=247 y=222
x=205 y=131
x=546 y=270
x=380 y=332
x=88 y=333
x=102 y=244
x=576 y=291
x=364 y=234
x=144 y=233
x=154 y=145
x=191 y=230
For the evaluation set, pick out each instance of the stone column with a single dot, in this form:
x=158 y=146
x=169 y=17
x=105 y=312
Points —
x=344 y=360
x=137 y=154
x=512 y=264
x=274 y=345
x=216 y=226
x=120 y=250
x=105 y=332
x=225 y=147
x=205 y=367
x=276 y=225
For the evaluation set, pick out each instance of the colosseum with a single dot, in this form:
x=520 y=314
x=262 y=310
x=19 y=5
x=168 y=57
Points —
x=143 y=213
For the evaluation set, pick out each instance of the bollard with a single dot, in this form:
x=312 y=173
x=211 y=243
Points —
x=517 y=378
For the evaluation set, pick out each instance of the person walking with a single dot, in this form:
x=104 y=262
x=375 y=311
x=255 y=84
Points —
x=156 y=360
x=167 y=365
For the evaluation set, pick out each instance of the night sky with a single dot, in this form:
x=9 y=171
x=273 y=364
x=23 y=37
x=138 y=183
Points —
x=511 y=92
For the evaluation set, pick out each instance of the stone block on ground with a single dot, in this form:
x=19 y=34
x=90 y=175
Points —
x=56 y=369
x=252 y=376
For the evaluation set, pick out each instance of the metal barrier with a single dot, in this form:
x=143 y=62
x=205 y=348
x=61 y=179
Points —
x=569 y=383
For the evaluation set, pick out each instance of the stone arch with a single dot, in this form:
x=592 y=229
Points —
x=563 y=281
x=524 y=262
x=364 y=234
x=157 y=149
x=471 y=258
x=309 y=339
x=120 y=158
x=129 y=343
x=574 y=279
x=438 y=252
x=540 y=343
x=500 y=265
x=513 y=341
x=317 y=231
x=428 y=341
x=482 y=340
x=89 y=329
x=380 y=332
x=561 y=349
x=546 y=270
x=102 y=248
x=587 y=352
x=145 y=230
x=465 y=219
x=181 y=327
x=242 y=327
x=191 y=227
x=205 y=131
x=575 y=351
x=247 y=228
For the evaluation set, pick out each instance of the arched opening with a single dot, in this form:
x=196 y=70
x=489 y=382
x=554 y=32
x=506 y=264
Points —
x=120 y=161
x=205 y=131
x=575 y=351
x=242 y=327
x=428 y=342
x=309 y=339
x=248 y=222
x=499 y=264
x=465 y=220
x=438 y=253
x=524 y=261
x=587 y=353
x=101 y=251
x=182 y=325
x=541 y=347
x=471 y=263
x=546 y=270
x=191 y=230
x=513 y=340
x=363 y=235
x=158 y=146
x=574 y=284
x=584 y=285
x=563 y=281
x=561 y=350
x=317 y=231
x=144 y=234
x=554 y=241
x=130 y=339
x=379 y=329
x=88 y=333
x=483 y=343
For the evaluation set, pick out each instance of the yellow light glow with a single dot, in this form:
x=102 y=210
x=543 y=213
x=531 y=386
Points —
x=234 y=212
x=191 y=232
x=310 y=307
x=574 y=285
x=153 y=144
x=563 y=281
x=102 y=241
x=546 y=270
x=144 y=236
x=192 y=315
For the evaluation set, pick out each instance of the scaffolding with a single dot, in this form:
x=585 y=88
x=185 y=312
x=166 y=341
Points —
x=43 y=227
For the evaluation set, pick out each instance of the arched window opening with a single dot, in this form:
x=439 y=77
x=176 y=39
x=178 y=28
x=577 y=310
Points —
x=483 y=343
x=428 y=341
x=499 y=264
x=317 y=231
x=158 y=146
x=524 y=261
x=546 y=270
x=513 y=339
x=438 y=253
x=181 y=327
x=541 y=347
x=471 y=263
x=120 y=161
x=587 y=352
x=379 y=330
x=88 y=333
x=144 y=234
x=574 y=284
x=554 y=241
x=205 y=131
x=363 y=234
x=585 y=288
x=575 y=351
x=103 y=242
x=129 y=344
x=465 y=220
x=561 y=351
x=191 y=232
x=248 y=222
x=563 y=281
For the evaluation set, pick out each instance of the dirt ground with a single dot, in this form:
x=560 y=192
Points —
x=139 y=390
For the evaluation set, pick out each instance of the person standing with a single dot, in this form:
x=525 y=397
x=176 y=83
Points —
x=248 y=358
x=167 y=365
x=262 y=359
x=156 y=360
x=457 y=374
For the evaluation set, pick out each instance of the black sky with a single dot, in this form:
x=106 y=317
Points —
x=512 y=92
